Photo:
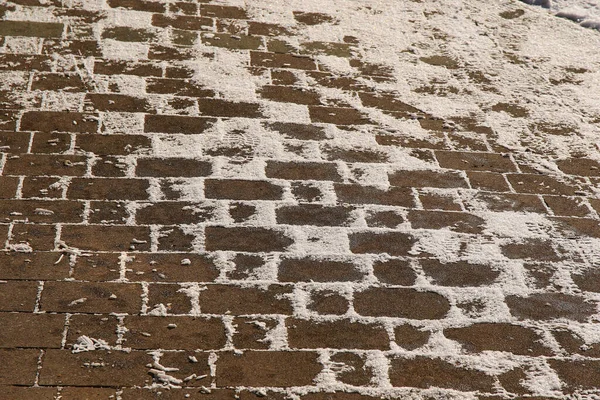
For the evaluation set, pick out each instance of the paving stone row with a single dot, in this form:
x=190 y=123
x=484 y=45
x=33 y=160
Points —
x=164 y=240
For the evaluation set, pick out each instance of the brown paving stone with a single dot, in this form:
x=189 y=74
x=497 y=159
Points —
x=400 y=303
x=500 y=202
x=27 y=393
x=579 y=166
x=107 y=237
x=31 y=330
x=394 y=272
x=313 y=214
x=14 y=142
x=302 y=171
x=19 y=366
x=38 y=265
x=574 y=344
x=246 y=239
x=179 y=87
x=492 y=162
x=113 y=67
x=55 y=81
x=458 y=273
x=577 y=375
x=107 y=212
x=18 y=295
x=356 y=372
x=214 y=10
x=171 y=296
x=427 y=179
x=337 y=115
x=409 y=337
x=39 y=211
x=241 y=190
x=498 y=337
x=290 y=94
x=489 y=181
x=39 y=237
x=96 y=368
x=51 y=142
x=357 y=194
x=548 y=306
x=219 y=299
x=75 y=393
x=540 y=184
x=392 y=243
x=174 y=212
x=340 y=334
x=98 y=326
x=384 y=219
x=438 y=201
x=178 y=167
x=117 y=102
x=425 y=372
x=174 y=238
x=567 y=206
x=45 y=165
x=455 y=221
x=49 y=121
x=251 y=332
x=317 y=270
x=182 y=394
x=327 y=302
x=274 y=368
x=149 y=332
x=172 y=267
x=238 y=42
x=577 y=227
x=41 y=187
x=298 y=131
x=91 y=297
x=108 y=189
x=176 y=124
x=31 y=29
x=96 y=267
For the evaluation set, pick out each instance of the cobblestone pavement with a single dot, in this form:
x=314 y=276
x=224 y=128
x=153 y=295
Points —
x=297 y=200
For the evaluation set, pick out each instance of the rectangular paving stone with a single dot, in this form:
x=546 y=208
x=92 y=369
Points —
x=31 y=330
x=268 y=368
x=91 y=297
x=95 y=368
x=31 y=29
x=18 y=366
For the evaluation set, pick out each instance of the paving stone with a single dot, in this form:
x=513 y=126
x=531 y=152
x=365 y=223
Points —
x=427 y=179
x=548 y=306
x=458 y=273
x=336 y=334
x=313 y=269
x=91 y=297
x=29 y=28
x=31 y=330
x=302 y=171
x=189 y=333
x=96 y=368
x=18 y=295
x=499 y=337
x=425 y=372
x=276 y=369
x=475 y=161
x=400 y=303
x=19 y=366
